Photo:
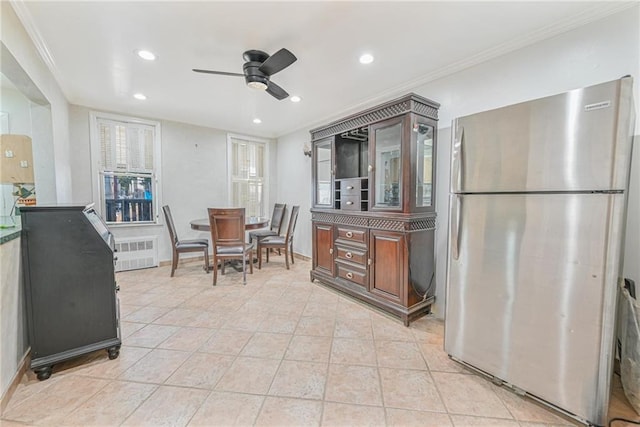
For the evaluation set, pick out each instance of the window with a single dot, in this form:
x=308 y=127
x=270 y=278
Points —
x=126 y=153
x=248 y=174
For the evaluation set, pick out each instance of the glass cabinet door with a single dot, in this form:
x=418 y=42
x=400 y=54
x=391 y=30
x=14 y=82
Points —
x=424 y=166
x=387 y=164
x=323 y=165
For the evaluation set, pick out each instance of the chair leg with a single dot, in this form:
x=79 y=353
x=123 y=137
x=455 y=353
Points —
x=259 y=250
x=268 y=250
x=206 y=260
x=222 y=269
x=174 y=262
x=244 y=269
x=251 y=261
x=286 y=256
x=215 y=270
x=291 y=252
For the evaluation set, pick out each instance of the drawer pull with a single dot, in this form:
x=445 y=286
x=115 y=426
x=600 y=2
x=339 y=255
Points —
x=349 y=187
x=349 y=275
x=349 y=202
x=349 y=234
x=348 y=255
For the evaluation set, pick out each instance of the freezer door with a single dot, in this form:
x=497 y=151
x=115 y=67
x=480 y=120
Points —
x=579 y=140
x=531 y=288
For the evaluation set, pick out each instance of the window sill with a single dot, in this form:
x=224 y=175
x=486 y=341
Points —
x=133 y=224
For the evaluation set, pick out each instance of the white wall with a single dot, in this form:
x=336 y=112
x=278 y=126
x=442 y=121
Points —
x=19 y=45
x=18 y=42
x=18 y=106
x=601 y=51
x=294 y=185
x=193 y=176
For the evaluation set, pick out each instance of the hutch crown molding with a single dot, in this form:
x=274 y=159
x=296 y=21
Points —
x=373 y=214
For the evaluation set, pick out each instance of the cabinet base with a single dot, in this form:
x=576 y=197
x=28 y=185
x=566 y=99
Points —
x=43 y=366
x=405 y=314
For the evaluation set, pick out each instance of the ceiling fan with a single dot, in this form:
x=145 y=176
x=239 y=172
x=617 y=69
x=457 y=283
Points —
x=259 y=68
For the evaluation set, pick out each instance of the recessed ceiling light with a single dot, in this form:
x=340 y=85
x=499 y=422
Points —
x=295 y=98
x=145 y=54
x=140 y=96
x=257 y=121
x=367 y=58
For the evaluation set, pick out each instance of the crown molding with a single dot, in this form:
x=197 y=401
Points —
x=24 y=16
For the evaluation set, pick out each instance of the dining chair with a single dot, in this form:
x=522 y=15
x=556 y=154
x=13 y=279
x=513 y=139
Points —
x=228 y=239
x=280 y=242
x=179 y=246
x=275 y=224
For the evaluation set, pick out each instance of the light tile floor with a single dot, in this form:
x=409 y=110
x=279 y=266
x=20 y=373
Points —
x=280 y=351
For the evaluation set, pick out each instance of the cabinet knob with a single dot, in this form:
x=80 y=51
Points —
x=349 y=202
x=330 y=250
x=349 y=234
x=349 y=187
x=349 y=275
x=348 y=255
x=370 y=168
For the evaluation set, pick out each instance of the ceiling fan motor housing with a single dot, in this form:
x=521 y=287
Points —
x=254 y=77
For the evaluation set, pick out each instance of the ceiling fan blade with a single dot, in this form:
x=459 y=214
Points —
x=277 y=62
x=224 y=73
x=276 y=91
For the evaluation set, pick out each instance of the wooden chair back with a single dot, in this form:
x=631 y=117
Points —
x=293 y=219
x=227 y=226
x=277 y=216
x=173 y=235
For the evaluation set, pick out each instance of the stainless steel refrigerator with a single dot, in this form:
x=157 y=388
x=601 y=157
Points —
x=537 y=218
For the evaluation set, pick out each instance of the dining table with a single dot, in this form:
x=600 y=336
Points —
x=250 y=223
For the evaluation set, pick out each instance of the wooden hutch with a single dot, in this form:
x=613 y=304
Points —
x=373 y=214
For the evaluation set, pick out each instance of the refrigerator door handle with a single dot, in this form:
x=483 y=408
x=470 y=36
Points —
x=458 y=153
x=456 y=210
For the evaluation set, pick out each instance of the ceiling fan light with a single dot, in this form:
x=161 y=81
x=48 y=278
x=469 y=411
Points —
x=257 y=85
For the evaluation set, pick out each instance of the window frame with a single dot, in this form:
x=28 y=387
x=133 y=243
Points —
x=255 y=140
x=97 y=172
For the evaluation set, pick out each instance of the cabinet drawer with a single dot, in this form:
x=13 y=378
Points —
x=350 y=234
x=350 y=187
x=350 y=202
x=357 y=256
x=353 y=274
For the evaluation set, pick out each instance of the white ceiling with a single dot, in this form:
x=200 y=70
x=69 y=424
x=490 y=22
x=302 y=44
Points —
x=89 y=46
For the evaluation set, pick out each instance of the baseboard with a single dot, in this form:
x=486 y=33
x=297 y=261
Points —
x=15 y=381
x=200 y=259
x=302 y=257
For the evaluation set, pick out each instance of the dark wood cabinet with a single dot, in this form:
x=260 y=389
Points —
x=70 y=287
x=388 y=273
x=323 y=248
x=373 y=213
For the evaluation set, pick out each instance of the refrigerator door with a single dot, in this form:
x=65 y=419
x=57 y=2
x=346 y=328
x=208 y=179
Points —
x=531 y=288
x=576 y=141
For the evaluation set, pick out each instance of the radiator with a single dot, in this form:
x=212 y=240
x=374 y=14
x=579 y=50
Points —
x=136 y=253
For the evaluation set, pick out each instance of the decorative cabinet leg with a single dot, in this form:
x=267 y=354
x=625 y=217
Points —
x=114 y=352
x=43 y=373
